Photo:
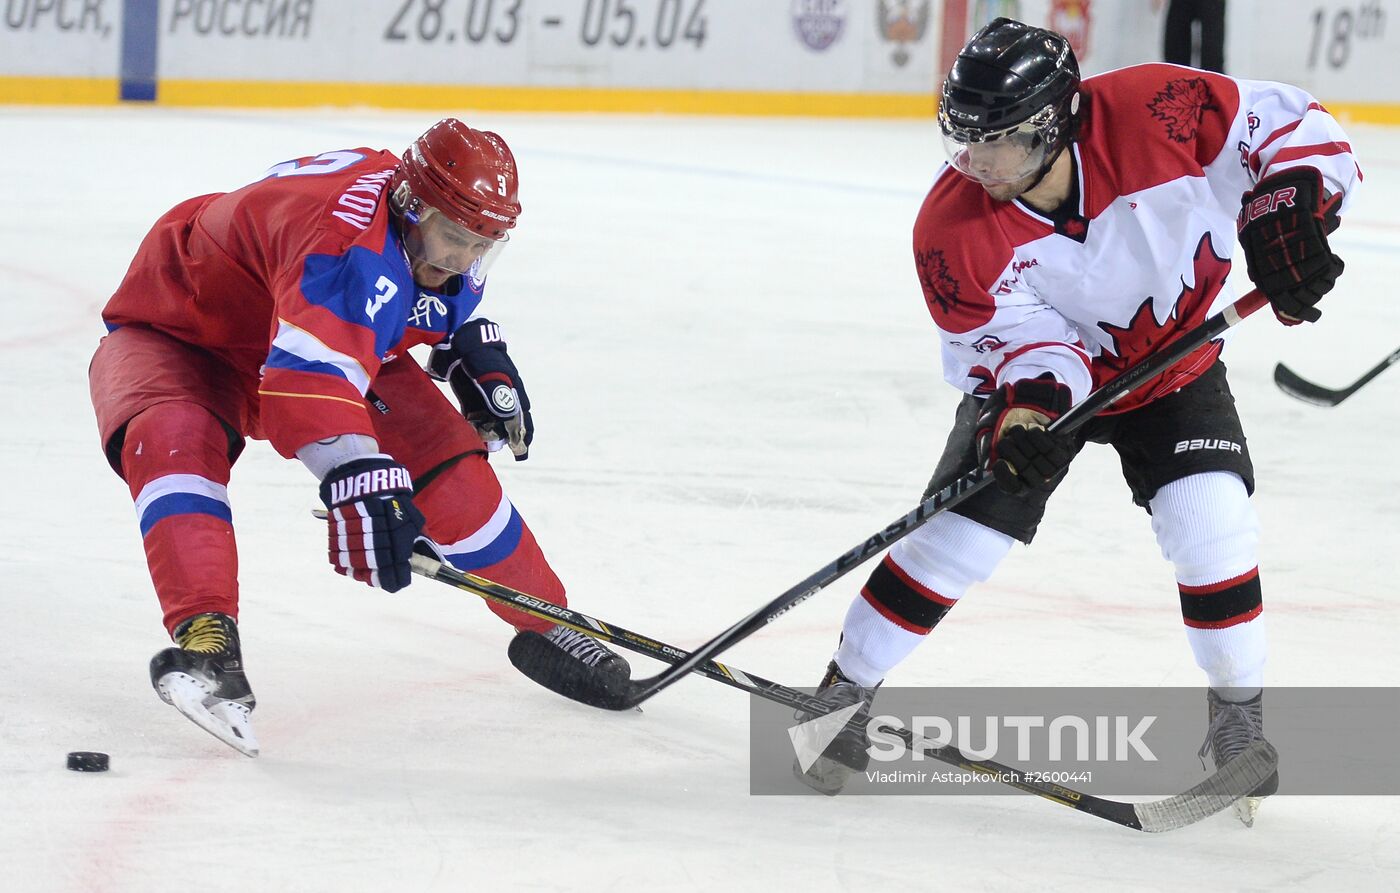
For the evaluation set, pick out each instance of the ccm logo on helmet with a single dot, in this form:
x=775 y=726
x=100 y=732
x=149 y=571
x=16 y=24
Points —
x=1201 y=443
x=1279 y=198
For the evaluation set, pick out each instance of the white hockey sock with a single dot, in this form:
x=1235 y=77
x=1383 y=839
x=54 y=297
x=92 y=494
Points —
x=1206 y=526
x=910 y=591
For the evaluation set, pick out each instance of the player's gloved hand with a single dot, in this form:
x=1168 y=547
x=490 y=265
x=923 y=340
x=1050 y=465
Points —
x=1012 y=440
x=1284 y=222
x=487 y=385
x=373 y=521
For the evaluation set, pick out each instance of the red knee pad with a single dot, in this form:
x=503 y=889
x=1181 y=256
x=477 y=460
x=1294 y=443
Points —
x=174 y=438
x=175 y=459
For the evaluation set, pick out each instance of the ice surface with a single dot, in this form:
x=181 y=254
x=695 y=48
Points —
x=735 y=380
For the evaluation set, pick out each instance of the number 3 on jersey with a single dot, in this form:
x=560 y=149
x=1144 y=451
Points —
x=325 y=163
x=384 y=292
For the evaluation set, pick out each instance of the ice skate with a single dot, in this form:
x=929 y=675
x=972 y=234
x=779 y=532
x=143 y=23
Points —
x=1234 y=726
x=848 y=752
x=577 y=661
x=203 y=679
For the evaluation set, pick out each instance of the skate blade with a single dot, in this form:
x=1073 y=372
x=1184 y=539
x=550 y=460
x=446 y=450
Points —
x=1246 y=808
x=228 y=721
x=823 y=776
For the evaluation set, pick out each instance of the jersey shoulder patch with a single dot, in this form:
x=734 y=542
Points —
x=960 y=248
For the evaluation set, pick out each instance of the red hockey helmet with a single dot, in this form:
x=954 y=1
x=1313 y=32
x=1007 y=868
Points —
x=456 y=191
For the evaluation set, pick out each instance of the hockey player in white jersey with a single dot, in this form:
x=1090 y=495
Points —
x=1077 y=227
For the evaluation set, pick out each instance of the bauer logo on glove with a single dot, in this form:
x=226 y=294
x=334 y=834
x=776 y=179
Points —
x=1284 y=222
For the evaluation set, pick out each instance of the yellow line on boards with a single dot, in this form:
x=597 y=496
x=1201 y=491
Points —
x=1365 y=112
x=15 y=90
x=545 y=99
x=288 y=94
x=58 y=91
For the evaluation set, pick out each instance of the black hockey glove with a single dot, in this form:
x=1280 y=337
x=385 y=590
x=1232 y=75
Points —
x=487 y=385
x=1284 y=223
x=373 y=521
x=1012 y=441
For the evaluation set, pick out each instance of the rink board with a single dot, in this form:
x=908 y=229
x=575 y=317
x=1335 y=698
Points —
x=873 y=58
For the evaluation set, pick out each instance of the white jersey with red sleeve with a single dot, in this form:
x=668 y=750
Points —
x=1162 y=160
x=300 y=284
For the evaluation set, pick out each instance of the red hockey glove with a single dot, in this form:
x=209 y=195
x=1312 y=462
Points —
x=373 y=521
x=487 y=385
x=1283 y=223
x=1012 y=440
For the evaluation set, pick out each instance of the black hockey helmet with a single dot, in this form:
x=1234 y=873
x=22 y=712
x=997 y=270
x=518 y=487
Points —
x=1016 y=85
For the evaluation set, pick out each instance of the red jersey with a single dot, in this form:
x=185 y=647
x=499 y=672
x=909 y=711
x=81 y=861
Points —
x=300 y=284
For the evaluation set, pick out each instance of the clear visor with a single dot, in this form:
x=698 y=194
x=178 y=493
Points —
x=1002 y=156
x=431 y=238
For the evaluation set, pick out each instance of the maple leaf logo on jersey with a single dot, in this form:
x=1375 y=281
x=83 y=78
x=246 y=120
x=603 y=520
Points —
x=1181 y=107
x=940 y=288
x=1143 y=333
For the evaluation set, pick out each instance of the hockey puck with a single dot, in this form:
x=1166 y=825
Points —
x=87 y=761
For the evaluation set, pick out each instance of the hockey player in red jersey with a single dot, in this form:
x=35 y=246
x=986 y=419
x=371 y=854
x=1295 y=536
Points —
x=1078 y=227
x=284 y=311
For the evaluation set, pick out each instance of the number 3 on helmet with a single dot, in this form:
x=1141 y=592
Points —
x=455 y=197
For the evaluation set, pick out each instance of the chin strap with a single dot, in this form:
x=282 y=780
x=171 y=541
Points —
x=1045 y=168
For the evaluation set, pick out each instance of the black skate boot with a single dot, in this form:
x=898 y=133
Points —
x=570 y=663
x=203 y=678
x=848 y=752
x=1234 y=726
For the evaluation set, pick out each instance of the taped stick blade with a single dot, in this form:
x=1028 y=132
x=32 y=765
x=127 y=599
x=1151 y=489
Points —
x=533 y=655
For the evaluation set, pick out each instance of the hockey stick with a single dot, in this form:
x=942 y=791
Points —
x=958 y=491
x=1229 y=783
x=1292 y=384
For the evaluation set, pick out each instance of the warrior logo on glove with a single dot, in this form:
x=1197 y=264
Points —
x=373 y=523
x=379 y=480
x=487 y=384
x=503 y=399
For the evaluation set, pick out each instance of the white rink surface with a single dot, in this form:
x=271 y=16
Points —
x=735 y=380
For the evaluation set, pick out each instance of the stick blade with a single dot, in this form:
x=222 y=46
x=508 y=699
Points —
x=1294 y=385
x=533 y=655
x=1235 y=780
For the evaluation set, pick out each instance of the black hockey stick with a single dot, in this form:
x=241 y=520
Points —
x=1228 y=784
x=958 y=491
x=1292 y=384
